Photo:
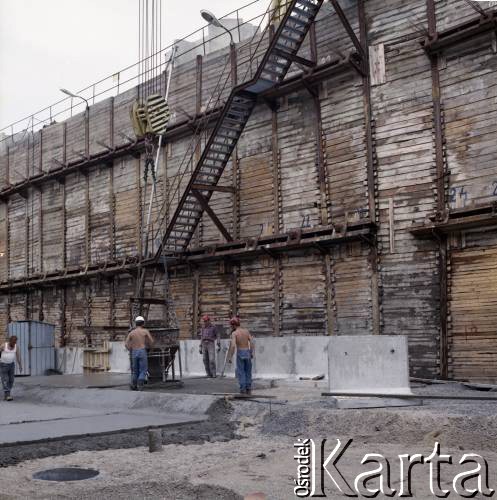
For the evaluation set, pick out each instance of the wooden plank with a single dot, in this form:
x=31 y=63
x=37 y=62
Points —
x=472 y=314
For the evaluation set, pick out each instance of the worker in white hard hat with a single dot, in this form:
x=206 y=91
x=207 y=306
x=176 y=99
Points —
x=137 y=342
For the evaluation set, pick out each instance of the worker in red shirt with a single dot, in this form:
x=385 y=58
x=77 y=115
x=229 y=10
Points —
x=208 y=336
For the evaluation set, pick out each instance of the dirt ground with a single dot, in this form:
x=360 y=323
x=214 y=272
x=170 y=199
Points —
x=248 y=447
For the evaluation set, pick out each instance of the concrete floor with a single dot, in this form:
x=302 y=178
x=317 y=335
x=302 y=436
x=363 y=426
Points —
x=60 y=425
x=191 y=385
x=63 y=406
x=95 y=380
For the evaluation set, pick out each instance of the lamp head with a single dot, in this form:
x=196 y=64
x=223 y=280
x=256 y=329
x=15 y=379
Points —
x=68 y=92
x=211 y=18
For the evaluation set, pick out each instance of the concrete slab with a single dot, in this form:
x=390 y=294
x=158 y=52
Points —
x=16 y=412
x=189 y=385
x=368 y=364
x=54 y=407
x=365 y=403
x=112 y=400
x=94 y=380
x=60 y=428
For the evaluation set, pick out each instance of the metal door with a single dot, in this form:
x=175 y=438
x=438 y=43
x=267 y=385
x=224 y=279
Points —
x=36 y=341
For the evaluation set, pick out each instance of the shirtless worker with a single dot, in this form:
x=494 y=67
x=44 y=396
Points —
x=137 y=342
x=243 y=342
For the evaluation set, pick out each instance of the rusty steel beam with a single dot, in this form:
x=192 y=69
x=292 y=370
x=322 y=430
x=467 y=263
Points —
x=437 y=113
x=320 y=73
x=438 y=41
x=296 y=59
x=62 y=277
x=208 y=187
x=440 y=190
x=148 y=300
x=234 y=65
x=348 y=28
x=205 y=206
x=458 y=220
x=444 y=325
x=324 y=236
x=371 y=170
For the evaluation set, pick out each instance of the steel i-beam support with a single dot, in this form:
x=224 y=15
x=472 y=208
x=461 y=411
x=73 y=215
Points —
x=205 y=206
x=348 y=28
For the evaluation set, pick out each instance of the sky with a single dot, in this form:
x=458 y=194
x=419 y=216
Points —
x=48 y=44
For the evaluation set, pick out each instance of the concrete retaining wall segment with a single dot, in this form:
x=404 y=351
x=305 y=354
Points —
x=368 y=363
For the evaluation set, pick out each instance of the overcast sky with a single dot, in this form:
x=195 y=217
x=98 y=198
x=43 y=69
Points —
x=48 y=44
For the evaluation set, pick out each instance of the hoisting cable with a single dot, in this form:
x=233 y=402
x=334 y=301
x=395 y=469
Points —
x=169 y=69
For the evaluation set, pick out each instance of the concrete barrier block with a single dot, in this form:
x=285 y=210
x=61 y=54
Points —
x=193 y=365
x=119 y=358
x=368 y=364
x=274 y=357
x=69 y=360
x=221 y=355
x=311 y=356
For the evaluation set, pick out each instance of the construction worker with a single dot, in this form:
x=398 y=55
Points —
x=137 y=342
x=243 y=342
x=208 y=337
x=8 y=357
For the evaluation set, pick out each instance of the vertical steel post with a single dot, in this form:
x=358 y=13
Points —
x=440 y=184
x=371 y=169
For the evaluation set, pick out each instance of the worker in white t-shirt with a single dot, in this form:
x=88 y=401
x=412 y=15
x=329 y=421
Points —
x=8 y=357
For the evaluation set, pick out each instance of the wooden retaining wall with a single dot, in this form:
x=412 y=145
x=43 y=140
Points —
x=356 y=149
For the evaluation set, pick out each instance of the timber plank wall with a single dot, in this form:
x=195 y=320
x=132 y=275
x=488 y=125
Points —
x=302 y=165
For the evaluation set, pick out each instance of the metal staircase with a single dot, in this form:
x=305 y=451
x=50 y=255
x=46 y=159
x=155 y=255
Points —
x=281 y=53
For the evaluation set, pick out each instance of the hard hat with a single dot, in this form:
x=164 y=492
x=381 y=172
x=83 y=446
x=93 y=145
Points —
x=206 y=317
x=139 y=319
x=235 y=321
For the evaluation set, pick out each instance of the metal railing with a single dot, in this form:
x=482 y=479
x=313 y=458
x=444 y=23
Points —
x=255 y=12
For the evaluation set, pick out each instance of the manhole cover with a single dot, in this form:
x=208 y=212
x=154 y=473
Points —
x=66 y=474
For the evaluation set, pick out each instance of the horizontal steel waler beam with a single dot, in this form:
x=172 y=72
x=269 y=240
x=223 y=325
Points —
x=458 y=220
x=461 y=32
x=320 y=238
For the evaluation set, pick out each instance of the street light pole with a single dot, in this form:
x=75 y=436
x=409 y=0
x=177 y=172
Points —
x=87 y=119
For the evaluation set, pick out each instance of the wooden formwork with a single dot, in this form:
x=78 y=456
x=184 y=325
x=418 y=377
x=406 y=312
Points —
x=413 y=145
x=96 y=357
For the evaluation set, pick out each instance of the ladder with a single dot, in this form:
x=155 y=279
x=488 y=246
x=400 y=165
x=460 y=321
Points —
x=281 y=53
